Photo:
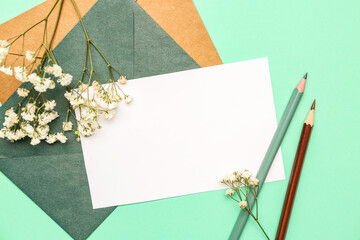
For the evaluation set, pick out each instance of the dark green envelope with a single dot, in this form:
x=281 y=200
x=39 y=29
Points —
x=54 y=177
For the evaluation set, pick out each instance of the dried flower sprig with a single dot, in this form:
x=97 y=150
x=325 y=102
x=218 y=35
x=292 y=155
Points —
x=102 y=100
x=241 y=185
x=32 y=115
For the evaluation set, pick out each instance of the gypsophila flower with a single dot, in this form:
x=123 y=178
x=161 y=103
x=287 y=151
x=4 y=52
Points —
x=30 y=55
x=122 y=80
x=254 y=181
x=2 y=132
x=6 y=70
x=49 y=105
x=29 y=130
x=55 y=70
x=28 y=112
x=229 y=192
x=11 y=118
x=128 y=99
x=246 y=174
x=11 y=135
x=61 y=137
x=42 y=131
x=50 y=139
x=28 y=116
x=20 y=134
x=229 y=178
x=35 y=141
x=244 y=185
x=40 y=87
x=67 y=126
x=48 y=82
x=105 y=103
x=51 y=85
x=96 y=86
x=243 y=204
x=47 y=117
x=83 y=87
x=22 y=92
x=34 y=79
x=21 y=73
x=4 y=49
x=109 y=114
x=10 y=112
x=65 y=79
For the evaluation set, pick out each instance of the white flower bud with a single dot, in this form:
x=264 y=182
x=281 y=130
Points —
x=229 y=192
x=35 y=141
x=6 y=70
x=22 y=92
x=30 y=55
x=122 y=80
x=67 y=126
x=243 y=204
x=128 y=99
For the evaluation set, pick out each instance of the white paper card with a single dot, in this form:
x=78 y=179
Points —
x=182 y=133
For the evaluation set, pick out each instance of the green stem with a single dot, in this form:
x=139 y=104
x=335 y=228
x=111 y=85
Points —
x=102 y=55
x=46 y=54
x=257 y=221
x=262 y=229
x=44 y=19
x=81 y=21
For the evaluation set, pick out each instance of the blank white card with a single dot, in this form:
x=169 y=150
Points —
x=182 y=133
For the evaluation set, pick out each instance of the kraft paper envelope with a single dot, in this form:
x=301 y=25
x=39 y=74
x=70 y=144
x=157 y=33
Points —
x=182 y=22
x=54 y=177
x=182 y=133
x=179 y=19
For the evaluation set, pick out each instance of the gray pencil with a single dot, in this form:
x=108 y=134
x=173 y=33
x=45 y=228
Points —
x=271 y=153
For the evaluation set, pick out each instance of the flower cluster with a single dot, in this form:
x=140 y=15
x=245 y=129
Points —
x=242 y=186
x=100 y=100
x=88 y=97
x=4 y=50
x=240 y=179
x=31 y=121
x=35 y=112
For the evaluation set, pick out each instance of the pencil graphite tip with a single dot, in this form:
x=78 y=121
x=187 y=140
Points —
x=310 y=117
x=305 y=76
x=301 y=85
x=313 y=106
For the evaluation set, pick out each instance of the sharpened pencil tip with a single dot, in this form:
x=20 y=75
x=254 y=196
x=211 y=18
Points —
x=305 y=76
x=313 y=106
x=301 y=85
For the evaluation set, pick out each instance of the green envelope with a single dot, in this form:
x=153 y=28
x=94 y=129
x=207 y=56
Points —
x=54 y=177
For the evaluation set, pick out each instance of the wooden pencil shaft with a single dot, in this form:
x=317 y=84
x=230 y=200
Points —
x=293 y=182
x=268 y=159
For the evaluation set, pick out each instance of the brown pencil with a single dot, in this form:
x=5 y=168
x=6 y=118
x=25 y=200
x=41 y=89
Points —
x=295 y=174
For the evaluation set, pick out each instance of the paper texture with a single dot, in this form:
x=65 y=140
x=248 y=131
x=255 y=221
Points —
x=179 y=19
x=19 y=24
x=54 y=177
x=183 y=132
x=182 y=22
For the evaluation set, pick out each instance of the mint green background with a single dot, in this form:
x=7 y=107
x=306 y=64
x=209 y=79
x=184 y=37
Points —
x=310 y=35
x=12 y=8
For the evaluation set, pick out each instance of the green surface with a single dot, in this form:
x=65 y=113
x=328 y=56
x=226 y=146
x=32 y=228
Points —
x=323 y=39
x=309 y=35
x=12 y=8
x=54 y=177
x=273 y=149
